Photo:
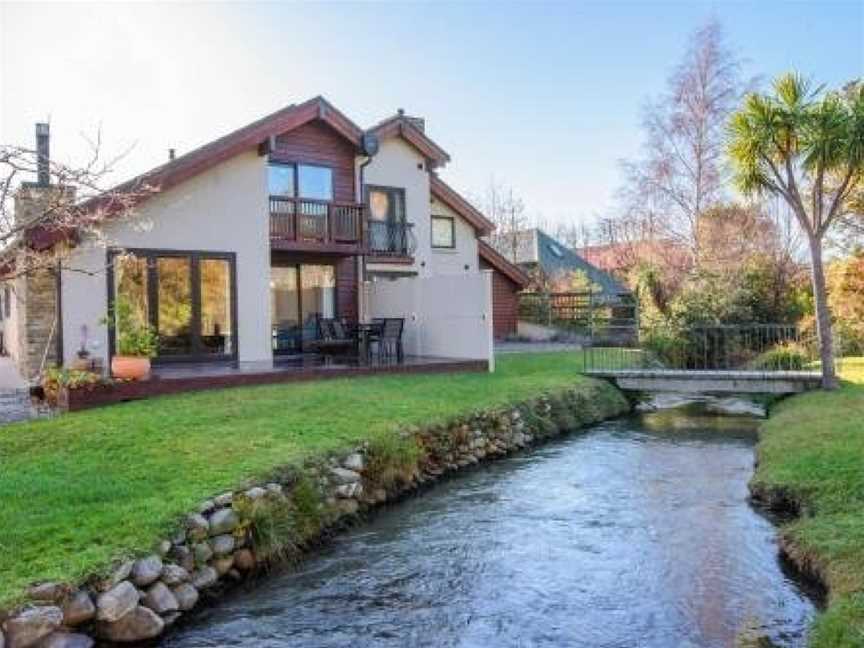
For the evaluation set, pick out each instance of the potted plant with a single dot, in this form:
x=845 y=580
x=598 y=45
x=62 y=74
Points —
x=137 y=342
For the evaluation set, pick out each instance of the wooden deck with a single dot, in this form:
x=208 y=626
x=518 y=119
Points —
x=187 y=377
x=711 y=381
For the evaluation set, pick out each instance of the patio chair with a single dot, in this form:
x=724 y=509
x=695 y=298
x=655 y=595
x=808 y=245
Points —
x=333 y=337
x=389 y=337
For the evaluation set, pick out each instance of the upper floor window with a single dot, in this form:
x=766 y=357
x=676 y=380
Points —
x=300 y=181
x=443 y=232
x=387 y=204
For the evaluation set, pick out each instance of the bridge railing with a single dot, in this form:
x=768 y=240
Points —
x=750 y=347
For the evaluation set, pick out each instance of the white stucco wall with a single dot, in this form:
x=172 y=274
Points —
x=446 y=316
x=445 y=261
x=395 y=165
x=224 y=209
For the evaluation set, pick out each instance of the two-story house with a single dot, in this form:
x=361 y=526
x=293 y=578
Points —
x=254 y=236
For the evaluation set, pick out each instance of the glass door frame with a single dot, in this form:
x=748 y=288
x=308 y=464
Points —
x=195 y=257
x=298 y=267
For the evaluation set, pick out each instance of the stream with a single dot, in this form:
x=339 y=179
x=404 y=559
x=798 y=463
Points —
x=635 y=533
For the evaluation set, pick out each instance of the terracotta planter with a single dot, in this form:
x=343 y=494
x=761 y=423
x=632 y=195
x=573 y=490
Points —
x=130 y=367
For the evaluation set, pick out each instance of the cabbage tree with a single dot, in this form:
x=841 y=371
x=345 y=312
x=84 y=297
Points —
x=805 y=145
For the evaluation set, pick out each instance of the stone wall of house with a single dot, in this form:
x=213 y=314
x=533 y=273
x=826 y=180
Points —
x=36 y=322
x=226 y=539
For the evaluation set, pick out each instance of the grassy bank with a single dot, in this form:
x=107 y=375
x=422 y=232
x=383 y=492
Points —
x=811 y=456
x=82 y=489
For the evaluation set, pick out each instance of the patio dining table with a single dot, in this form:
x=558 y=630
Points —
x=365 y=332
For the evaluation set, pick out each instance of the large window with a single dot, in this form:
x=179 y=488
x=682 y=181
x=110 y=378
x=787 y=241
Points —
x=300 y=181
x=443 y=232
x=387 y=204
x=187 y=296
x=299 y=295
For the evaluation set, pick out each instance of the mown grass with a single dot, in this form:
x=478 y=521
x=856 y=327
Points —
x=86 y=488
x=811 y=450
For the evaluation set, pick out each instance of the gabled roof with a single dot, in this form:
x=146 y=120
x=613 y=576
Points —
x=510 y=270
x=401 y=125
x=450 y=197
x=536 y=248
x=246 y=138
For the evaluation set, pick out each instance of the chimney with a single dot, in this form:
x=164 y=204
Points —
x=43 y=174
x=171 y=154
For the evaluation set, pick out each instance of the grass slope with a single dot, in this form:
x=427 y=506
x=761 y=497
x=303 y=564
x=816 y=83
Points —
x=811 y=451
x=82 y=489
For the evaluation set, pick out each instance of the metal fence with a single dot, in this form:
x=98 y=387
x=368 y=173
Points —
x=604 y=319
x=754 y=347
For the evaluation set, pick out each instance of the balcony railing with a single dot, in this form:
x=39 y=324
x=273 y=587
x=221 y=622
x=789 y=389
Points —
x=386 y=239
x=303 y=220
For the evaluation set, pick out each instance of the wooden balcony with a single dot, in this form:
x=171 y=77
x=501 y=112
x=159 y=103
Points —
x=306 y=225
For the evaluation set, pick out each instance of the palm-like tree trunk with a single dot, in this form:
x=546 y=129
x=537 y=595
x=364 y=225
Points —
x=823 y=316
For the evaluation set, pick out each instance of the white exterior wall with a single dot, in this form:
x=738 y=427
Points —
x=446 y=316
x=446 y=261
x=224 y=209
x=395 y=165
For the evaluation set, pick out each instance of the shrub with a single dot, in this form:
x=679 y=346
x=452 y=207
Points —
x=56 y=379
x=134 y=338
x=788 y=356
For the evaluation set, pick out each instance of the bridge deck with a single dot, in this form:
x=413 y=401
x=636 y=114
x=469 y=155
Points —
x=711 y=381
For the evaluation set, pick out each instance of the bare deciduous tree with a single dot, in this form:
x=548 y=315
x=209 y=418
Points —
x=682 y=171
x=507 y=211
x=64 y=200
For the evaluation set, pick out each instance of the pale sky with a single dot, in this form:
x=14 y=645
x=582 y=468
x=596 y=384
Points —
x=544 y=97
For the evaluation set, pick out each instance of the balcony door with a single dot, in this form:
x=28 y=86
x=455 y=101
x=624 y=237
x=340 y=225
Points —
x=299 y=295
x=188 y=297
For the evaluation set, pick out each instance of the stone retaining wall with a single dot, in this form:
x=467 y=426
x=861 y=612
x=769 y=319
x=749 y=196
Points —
x=237 y=533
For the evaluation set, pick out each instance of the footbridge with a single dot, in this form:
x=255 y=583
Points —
x=741 y=359
x=710 y=382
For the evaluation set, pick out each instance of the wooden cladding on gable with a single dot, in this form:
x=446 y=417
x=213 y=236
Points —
x=317 y=143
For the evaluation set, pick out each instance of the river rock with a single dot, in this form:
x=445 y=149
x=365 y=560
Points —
x=78 y=608
x=163 y=548
x=347 y=491
x=354 y=461
x=186 y=595
x=254 y=493
x=223 y=565
x=223 y=521
x=222 y=544
x=224 y=499
x=120 y=573
x=146 y=570
x=184 y=557
x=116 y=602
x=244 y=560
x=2 y=640
x=344 y=476
x=197 y=526
x=204 y=577
x=174 y=574
x=66 y=640
x=50 y=592
x=160 y=599
x=139 y=624
x=171 y=618
x=203 y=552
x=206 y=506
x=31 y=625
x=274 y=489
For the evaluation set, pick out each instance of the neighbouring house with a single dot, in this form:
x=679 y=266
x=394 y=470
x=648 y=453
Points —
x=254 y=236
x=556 y=266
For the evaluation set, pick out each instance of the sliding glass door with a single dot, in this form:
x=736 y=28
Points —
x=299 y=295
x=188 y=297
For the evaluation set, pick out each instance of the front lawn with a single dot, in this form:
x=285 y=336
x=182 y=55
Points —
x=811 y=450
x=85 y=488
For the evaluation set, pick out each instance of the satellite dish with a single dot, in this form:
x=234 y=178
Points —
x=369 y=144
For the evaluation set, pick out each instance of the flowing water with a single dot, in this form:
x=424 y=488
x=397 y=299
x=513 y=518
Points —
x=636 y=533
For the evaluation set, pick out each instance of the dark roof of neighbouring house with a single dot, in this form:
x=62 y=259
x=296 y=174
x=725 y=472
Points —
x=536 y=248
x=497 y=261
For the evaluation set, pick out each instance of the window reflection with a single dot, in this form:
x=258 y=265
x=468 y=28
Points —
x=216 y=325
x=316 y=182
